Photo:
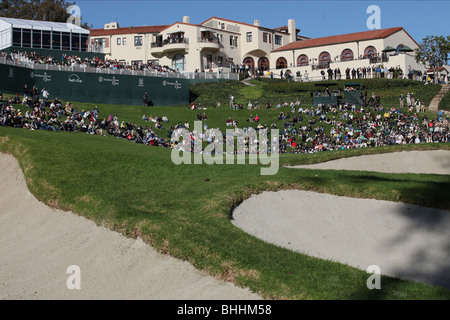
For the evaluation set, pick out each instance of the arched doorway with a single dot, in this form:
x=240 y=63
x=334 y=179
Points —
x=263 y=63
x=370 y=51
x=281 y=63
x=248 y=61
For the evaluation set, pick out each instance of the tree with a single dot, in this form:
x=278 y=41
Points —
x=41 y=10
x=434 y=51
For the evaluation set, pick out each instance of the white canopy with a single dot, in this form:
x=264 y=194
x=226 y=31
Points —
x=6 y=23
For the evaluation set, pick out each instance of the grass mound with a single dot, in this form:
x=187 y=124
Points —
x=276 y=90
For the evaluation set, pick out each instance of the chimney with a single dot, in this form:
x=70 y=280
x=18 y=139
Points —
x=292 y=31
x=186 y=19
x=256 y=23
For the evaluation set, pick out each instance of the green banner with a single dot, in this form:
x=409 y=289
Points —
x=353 y=97
x=325 y=100
x=96 y=87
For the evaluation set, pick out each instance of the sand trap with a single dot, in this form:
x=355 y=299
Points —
x=405 y=241
x=38 y=244
x=436 y=161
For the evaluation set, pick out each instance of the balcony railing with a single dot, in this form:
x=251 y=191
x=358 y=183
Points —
x=145 y=72
x=96 y=48
x=208 y=40
x=169 y=41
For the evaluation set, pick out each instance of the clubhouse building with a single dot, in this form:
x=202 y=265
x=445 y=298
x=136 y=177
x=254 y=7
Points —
x=219 y=44
x=213 y=44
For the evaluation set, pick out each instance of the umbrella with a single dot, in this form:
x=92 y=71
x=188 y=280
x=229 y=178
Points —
x=389 y=49
x=406 y=49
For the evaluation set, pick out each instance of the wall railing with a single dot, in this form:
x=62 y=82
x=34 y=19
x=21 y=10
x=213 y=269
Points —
x=141 y=73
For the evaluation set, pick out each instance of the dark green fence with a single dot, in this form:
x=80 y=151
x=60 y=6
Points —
x=96 y=87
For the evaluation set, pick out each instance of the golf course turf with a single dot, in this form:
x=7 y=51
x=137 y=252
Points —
x=185 y=210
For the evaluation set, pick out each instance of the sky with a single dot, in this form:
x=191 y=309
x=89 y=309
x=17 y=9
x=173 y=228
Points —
x=314 y=18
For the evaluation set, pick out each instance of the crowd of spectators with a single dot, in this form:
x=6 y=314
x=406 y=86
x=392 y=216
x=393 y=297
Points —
x=304 y=129
x=52 y=115
x=370 y=72
x=76 y=61
x=344 y=126
x=361 y=127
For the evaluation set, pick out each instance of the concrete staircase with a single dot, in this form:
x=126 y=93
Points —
x=434 y=104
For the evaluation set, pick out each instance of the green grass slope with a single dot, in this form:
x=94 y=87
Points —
x=276 y=90
x=138 y=191
x=185 y=210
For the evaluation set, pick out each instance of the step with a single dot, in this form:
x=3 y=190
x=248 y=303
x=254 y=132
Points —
x=434 y=104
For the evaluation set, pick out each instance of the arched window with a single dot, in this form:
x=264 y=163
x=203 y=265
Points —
x=370 y=51
x=347 y=55
x=324 y=59
x=179 y=62
x=281 y=63
x=263 y=63
x=400 y=46
x=302 y=60
x=249 y=62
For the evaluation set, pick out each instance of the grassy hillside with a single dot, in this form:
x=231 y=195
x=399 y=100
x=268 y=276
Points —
x=445 y=102
x=184 y=210
x=275 y=90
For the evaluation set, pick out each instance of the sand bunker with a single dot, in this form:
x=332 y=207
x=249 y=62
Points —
x=436 y=161
x=405 y=241
x=38 y=244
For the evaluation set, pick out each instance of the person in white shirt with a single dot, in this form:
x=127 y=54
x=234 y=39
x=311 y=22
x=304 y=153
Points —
x=45 y=95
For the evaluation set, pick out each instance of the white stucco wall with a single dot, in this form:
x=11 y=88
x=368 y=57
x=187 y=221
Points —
x=402 y=60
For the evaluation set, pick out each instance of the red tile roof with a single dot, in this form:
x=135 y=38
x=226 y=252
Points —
x=178 y=22
x=127 y=30
x=438 y=69
x=350 y=37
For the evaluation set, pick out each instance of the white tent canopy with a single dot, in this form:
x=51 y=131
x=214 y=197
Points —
x=42 y=35
x=6 y=23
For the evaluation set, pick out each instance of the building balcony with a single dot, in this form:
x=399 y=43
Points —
x=169 y=45
x=209 y=43
x=176 y=46
x=156 y=49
